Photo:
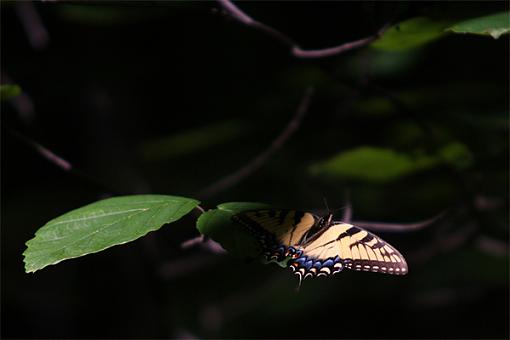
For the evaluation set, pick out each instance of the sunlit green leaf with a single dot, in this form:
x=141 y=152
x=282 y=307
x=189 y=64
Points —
x=101 y=225
x=410 y=33
x=494 y=25
x=218 y=225
x=8 y=91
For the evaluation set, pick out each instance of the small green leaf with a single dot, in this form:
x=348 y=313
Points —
x=218 y=225
x=8 y=91
x=372 y=164
x=494 y=25
x=410 y=33
x=101 y=225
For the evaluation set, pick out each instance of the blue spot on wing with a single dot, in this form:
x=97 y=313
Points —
x=329 y=263
x=318 y=264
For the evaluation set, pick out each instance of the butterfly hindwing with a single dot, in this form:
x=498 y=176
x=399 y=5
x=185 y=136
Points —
x=356 y=249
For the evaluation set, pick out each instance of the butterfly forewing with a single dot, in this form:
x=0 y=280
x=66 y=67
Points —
x=287 y=227
x=357 y=248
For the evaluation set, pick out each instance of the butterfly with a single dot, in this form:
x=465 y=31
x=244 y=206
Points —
x=314 y=246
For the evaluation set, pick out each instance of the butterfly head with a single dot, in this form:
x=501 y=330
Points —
x=326 y=221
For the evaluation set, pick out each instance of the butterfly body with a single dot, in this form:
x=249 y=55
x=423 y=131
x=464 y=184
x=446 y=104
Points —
x=314 y=246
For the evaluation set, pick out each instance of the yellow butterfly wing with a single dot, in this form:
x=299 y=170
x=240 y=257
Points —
x=279 y=227
x=353 y=247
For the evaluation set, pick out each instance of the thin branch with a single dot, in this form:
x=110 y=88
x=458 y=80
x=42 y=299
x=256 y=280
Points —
x=244 y=18
x=205 y=243
x=331 y=51
x=257 y=162
x=212 y=246
x=492 y=246
x=445 y=243
x=393 y=227
x=295 y=49
x=45 y=152
x=33 y=25
x=192 y=242
x=61 y=162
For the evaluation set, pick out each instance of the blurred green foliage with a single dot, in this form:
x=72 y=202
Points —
x=191 y=141
x=372 y=164
x=9 y=91
x=381 y=165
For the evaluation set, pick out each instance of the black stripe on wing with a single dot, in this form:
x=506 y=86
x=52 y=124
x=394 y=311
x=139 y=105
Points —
x=371 y=253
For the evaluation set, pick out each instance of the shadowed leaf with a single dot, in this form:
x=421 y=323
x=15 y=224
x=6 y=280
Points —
x=218 y=225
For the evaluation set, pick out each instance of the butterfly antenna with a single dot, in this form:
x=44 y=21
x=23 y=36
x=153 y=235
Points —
x=347 y=216
x=326 y=203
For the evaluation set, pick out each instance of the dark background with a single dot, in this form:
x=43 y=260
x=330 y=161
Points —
x=113 y=81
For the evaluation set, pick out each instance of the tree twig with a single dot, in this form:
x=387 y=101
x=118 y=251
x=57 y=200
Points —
x=236 y=13
x=61 y=162
x=205 y=243
x=234 y=178
x=445 y=243
x=193 y=242
x=45 y=152
x=492 y=246
x=33 y=25
x=394 y=227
